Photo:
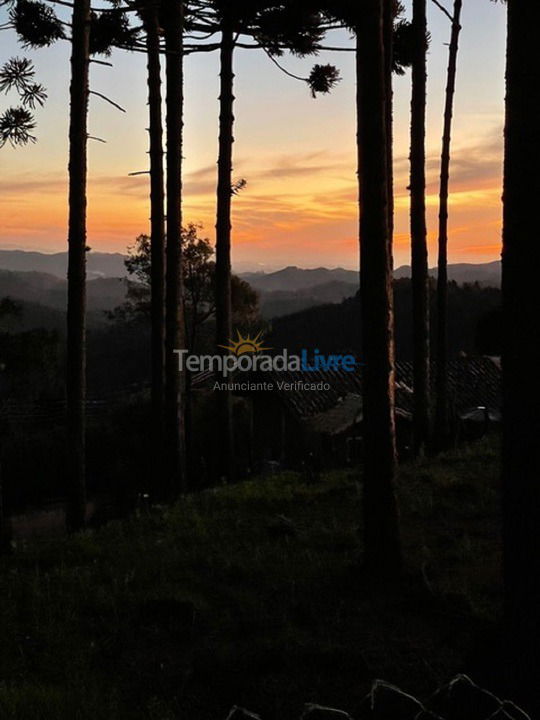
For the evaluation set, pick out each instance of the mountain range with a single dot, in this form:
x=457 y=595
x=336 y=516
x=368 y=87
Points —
x=109 y=265
x=99 y=265
x=38 y=279
x=298 y=279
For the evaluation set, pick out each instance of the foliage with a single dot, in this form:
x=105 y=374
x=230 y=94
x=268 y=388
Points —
x=199 y=271
x=110 y=29
x=17 y=123
x=9 y=308
x=403 y=50
x=336 y=327
x=36 y=23
x=323 y=78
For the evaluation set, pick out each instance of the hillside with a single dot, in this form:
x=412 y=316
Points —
x=98 y=264
x=283 y=302
x=50 y=291
x=291 y=278
x=473 y=323
x=40 y=279
x=294 y=279
x=485 y=274
x=252 y=595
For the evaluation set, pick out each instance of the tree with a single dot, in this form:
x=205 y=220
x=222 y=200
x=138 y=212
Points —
x=173 y=20
x=442 y=405
x=273 y=26
x=199 y=284
x=419 y=250
x=383 y=43
x=150 y=16
x=223 y=237
x=521 y=350
x=76 y=309
x=18 y=123
x=37 y=26
x=381 y=523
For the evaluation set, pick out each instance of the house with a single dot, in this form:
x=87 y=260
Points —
x=292 y=424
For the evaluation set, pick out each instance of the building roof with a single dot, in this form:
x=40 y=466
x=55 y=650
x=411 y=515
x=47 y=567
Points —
x=473 y=382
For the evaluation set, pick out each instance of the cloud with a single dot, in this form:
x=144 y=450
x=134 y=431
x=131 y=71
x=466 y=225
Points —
x=472 y=165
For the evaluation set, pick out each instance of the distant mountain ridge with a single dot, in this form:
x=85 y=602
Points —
x=291 y=278
x=285 y=291
x=485 y=274
x=105 y=265
x=295 y=279
x=43 y=297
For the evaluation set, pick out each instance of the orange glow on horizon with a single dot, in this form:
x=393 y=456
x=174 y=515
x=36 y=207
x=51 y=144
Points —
x=303 y=212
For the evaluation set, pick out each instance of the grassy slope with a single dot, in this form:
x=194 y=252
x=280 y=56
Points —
x=184 y=612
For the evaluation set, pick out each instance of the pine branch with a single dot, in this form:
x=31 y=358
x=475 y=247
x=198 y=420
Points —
x=111 y=102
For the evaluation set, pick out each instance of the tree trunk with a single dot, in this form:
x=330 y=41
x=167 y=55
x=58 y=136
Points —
x=174 y=302
x=76 y=308
x=419 y=249
x=521 y=350
x=157 y=232
x=225 y=438
x=442 y=408
x=381 y=522
x=5 y=539
x=388 y=39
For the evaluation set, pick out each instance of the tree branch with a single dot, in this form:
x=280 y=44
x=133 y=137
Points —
x=111 y=102
x=443 y=10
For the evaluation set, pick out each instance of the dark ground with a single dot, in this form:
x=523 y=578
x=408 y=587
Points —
x=252 y=595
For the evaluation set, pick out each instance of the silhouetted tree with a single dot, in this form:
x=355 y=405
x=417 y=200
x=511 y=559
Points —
x=441 y=406
x=199 y=285
x=223 y=236
x=521 y=350
x=173 y=20
x=381 y=524
x=76 y=310
x=37 y=26
x=273 y=26
x=150 y=14
x=419 y=250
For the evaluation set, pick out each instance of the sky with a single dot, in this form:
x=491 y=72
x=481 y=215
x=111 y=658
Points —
x=297 y=154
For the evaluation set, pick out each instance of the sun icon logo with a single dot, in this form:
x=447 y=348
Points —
x=244 y=345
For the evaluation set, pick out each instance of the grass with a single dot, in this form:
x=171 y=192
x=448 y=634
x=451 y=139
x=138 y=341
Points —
x=251 y=595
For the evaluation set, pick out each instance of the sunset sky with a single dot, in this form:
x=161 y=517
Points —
x=297 y=154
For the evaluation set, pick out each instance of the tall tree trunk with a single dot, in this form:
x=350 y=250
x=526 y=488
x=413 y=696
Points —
x=381 y=522
x=225 y=436
x=419 y=249
x=442 y=405
x=174 y=302
x=521 y=349
x=76 y=309
x=157 y=232
x=388 y=39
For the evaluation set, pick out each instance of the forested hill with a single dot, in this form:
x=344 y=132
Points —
x=296 y=279
x=473 y=323
x=288 y=279
x=98 y=264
